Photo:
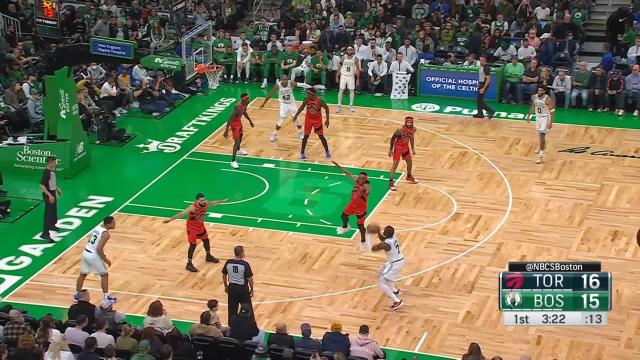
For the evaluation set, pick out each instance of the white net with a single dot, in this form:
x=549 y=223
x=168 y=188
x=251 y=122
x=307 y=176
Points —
x=197 y=49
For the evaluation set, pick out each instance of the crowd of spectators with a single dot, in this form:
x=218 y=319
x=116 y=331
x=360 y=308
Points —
x=100 y=332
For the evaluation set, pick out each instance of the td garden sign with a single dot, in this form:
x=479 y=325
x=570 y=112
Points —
x=458 y=110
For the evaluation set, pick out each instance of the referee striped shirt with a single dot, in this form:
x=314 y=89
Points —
x=237 y=271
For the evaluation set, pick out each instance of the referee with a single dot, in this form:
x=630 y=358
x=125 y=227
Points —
x=50 y=192
x=484 y=80
x=238 y=281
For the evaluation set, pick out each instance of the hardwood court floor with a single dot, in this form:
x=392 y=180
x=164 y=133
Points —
x=575 y=207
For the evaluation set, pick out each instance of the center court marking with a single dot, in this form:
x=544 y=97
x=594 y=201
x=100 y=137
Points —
x=266 y=188
x=433 y=267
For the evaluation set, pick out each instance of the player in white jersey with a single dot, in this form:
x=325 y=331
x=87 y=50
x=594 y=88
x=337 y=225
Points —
x=243 y=62
x=285 y=87
x=390 y=270
x=542 y=106
x=347 y=76
x=94 y=260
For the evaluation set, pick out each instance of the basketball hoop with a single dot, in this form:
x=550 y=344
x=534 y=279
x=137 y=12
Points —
x=212 y=72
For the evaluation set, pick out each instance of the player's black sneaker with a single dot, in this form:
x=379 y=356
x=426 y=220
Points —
x=211 y=258
x=191 y=268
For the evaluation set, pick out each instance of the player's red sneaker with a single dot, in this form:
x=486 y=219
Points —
x=411 y=179
x=397 y=305
x=392 y=186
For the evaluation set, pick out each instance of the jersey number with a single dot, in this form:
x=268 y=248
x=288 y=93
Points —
x=348 y=68
x=539 y=110
x=286 y=97
x=234 y=269
x=397 y=247
x=93 y=239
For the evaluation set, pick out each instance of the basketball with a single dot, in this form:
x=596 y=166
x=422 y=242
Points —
x=638 y=237
x=373 y=228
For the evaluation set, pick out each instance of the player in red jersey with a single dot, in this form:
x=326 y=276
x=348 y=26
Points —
x=358 y=204
x=399 y=148
x=235 y=123
x=313 y=120
x=195 y=228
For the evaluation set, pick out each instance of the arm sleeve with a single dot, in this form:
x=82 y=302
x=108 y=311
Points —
x=248 y=273
x=45 y=178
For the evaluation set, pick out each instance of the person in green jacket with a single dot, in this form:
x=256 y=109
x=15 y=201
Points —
x=143 y=351
x=271 y=61
x=257 y=63
x=288 y=60
x=365 y=20
x=513 y=73
x=220 y=44
x=228 y=60
x=317 y=68
x=462 y=36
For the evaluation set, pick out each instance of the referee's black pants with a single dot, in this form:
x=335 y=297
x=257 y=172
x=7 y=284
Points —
x=237 y=294
x=482 y=105
x=50 y=214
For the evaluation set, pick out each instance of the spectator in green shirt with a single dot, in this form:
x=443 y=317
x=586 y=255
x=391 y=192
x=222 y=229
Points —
x=462 y=36
x=447 y=36
x=220 y=44
x=257 y=64
x=228 y=60
x=271 y=61
x=579 y=82
x=365 y=20
x=513 y=73
x=579 y=14
x=317 y=68
x=288 y=60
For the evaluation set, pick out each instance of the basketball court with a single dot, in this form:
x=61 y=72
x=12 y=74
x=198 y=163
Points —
x=481 y=202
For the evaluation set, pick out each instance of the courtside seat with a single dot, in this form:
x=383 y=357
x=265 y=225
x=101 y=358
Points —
x=250 y=347
x=230 y=349
x=276 y=352
x=302 y=354
x=206 y=345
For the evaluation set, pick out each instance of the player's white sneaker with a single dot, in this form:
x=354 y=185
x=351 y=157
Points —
x=264 y=83
x=341 y=230
x=234 y=164
x=339 y=108
x=351 y=108
x=274 y=137
x=540 y=160
x=301 y=135
x=365 y=245
x=242 y=152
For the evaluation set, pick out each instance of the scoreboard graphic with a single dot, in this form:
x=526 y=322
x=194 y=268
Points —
x=555 y=294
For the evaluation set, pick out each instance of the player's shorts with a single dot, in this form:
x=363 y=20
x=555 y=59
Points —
x=401 y=152
x=316 y=125
x=92 y=263
x=347 y=82
x=195 y=234
x=236 y=131
x=351 y=209
x=390 y=270
x=541 y=124
x=287 y=109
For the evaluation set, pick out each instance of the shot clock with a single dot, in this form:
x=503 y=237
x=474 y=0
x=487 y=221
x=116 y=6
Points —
x=47 y=18
x=555 y=294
